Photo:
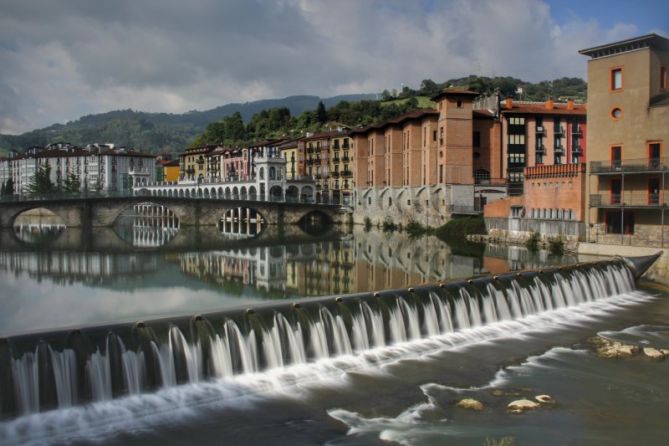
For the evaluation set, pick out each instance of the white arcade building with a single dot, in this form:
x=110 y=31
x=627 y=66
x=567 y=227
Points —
x=267 y=183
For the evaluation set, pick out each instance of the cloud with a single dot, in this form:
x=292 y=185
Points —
x=64 y=59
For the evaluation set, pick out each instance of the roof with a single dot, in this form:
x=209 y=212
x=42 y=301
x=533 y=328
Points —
x=324 y=135
x=409 y=116
x=454 y=91
x=647 y=41
x=539 y=108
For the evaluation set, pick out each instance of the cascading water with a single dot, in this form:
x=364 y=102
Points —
x=46 y=371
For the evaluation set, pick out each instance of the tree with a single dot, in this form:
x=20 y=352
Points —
x=8 y=187
x=321 y=114
x=429 y=87
x=72 y=184
x=41 y=184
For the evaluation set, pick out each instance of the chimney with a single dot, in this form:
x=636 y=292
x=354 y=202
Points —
x=550 y=104
x=570 y=104
x=508 y=103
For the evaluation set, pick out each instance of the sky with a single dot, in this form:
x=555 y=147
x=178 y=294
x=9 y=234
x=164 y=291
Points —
x=61 y=59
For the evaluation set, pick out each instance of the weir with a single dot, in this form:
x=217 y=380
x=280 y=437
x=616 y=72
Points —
x=58 y=369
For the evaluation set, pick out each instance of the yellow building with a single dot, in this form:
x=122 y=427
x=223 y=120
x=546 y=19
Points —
x=340 y=180
x=294 y=162
x=193 y=165
x=171 y=171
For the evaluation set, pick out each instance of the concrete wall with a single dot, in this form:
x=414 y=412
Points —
x=427 y=205
x=658 y=272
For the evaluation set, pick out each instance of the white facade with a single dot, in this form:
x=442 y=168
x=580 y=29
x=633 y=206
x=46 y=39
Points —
x=97 y=167
x=267 y=182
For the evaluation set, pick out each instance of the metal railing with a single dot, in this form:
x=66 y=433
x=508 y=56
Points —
x=628 y=199
x=637 y=165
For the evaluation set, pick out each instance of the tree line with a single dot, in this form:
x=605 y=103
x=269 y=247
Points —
x=277 y=123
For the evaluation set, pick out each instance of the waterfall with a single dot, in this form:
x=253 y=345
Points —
x=127 y=361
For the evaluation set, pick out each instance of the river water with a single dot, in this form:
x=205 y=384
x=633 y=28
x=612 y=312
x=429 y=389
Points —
x=53 y=278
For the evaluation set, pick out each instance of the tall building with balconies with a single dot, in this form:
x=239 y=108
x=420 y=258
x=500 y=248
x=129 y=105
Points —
x=628 y=123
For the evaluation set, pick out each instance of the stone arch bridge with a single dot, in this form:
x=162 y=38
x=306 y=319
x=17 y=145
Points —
x=103 y=211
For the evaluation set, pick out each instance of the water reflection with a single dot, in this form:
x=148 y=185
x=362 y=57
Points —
x=241 y=223
x=38 y=226
x=147 y=225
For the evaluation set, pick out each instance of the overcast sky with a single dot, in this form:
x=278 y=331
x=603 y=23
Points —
x=60 y=60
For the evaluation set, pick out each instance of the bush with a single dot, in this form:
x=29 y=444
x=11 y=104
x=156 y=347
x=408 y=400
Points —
x=388 y=225
x=415 y=229
x=556 y=246
x=368 y=224
x=532 y=243
x=460 y=228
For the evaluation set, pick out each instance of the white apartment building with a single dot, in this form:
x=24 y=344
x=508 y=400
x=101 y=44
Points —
x=98 y=167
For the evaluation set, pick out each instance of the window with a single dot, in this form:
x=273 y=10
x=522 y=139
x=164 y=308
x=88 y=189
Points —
x=616 y=191
x=477 y=139
x=516 y=211
x=619 y=223
x=664 y=83
x=616 y=156
x=459 y=103
x=654 y=155
x=616 y=113
x=441 y=136
x=434 y=135
x=616 y=79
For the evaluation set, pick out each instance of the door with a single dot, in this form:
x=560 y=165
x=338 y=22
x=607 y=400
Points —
x=616 y=156
x=654 y=155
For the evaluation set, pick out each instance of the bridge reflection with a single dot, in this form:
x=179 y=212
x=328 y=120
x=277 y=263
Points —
x=148 y=225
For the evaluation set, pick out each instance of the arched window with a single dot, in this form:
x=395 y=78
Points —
x=262 y=173
x=272 y=173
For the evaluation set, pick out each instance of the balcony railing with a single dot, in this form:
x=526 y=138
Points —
x=334 y=174
x=555 y=170
x=628 y=199
x=347 y=174
x=639 y=165
x=346 y=159
x=540 y=129
x=559 y=130
x=559 y=149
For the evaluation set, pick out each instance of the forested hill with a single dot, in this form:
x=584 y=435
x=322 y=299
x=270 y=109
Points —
x=236 y=124
x=157 y=132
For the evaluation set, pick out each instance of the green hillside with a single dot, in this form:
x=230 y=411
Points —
x=237 y=123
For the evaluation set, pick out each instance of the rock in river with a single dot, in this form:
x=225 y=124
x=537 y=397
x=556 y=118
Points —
x=653 y=353
x=519 y=406
x=471 y=404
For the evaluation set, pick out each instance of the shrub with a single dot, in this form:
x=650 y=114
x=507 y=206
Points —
x=556 y=246
x=388 y=225
x=532 y=243
x=461 y=227
x=368 y=224
x=415 y=229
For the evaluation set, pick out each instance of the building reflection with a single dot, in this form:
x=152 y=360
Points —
x=67 y=267
x=373 y=261
x=38 y=226
x=148 y=225
x=241 y=223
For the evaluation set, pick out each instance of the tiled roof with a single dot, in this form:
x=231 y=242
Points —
x=454 y=91
x=540 y=108
x=409 y=116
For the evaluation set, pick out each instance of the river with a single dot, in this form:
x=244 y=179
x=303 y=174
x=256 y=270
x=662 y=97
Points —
x=57 y=279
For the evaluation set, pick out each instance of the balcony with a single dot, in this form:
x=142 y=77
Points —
x=559 y=130
x=639 y=165
x=336 y=147
x=334 y=174
x=577 y=130
x=347 y=174
x=310 y=150
x=628 y=199
x=559 y=150
x=335 y=159
x=346 y=159
x=540 y=129
x=345 y=144
x=540 y=149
